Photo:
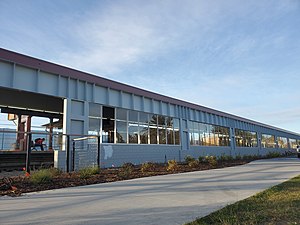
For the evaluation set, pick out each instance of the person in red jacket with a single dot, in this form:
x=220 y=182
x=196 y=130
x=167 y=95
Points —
x=39 y=143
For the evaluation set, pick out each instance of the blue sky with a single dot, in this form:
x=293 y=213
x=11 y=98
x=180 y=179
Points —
x=241 y=57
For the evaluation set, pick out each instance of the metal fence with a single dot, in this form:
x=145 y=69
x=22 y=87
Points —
x=85 y=152
x=81 y=151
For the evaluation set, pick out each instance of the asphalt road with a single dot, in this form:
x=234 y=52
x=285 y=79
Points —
x=169 y=199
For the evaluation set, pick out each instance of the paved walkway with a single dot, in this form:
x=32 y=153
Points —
x=169 y=199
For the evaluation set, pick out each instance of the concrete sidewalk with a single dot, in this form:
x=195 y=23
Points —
x=169 y=199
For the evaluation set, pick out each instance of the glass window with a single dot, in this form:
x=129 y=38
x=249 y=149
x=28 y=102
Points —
x=244 y=138
x=153 y=129
x=161 y=120
x=121 y=132
x=108 y=112
x=268 y=141
x=133 y=116
x=133 y=132
x=162 y=135
x=108 y=125
x=170 y=132
x=144 y=118
x=153 y=134
x=293 y=143
x=191 y=132
x=144 y=132
x=94 y=126
x=176 y=131
x=122 y=114
x=94 y=110
x=282 y=142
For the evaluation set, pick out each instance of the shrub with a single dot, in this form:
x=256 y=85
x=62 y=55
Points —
x=189 y=159
x=211 y=160
x=148 y=167
x=55 y=171
x=238 y=157
x=250 y=157
x=172 y=165
x=41 y=176
x=201 y=159
x=87 y=172
x=126 y=170
x=194 y=163
x=273 y=155
x=224 y=157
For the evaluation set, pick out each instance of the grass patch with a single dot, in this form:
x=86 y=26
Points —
x=277 y=205
x=42 y=176
x=87 y=172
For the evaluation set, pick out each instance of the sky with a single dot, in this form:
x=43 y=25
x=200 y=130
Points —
x=240 y=57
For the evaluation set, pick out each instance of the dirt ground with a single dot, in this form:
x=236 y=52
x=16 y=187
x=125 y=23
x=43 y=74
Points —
x=16 y=183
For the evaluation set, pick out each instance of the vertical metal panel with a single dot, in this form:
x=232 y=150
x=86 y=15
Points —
x=25 y=78
x=172 y=110
x=121 y=99
x=147 y=104
x=77 y=108
x=89 y=92
x=137 y=100
x=156 y=106
x=100 y=94
x=6 y=70
x=143 y=103
x=191 y=114
x=47 y=83
x=114 y=98
x=164 y=108
x=73 y=88
x=63 y=86
x=126 y=100
x=81 y=90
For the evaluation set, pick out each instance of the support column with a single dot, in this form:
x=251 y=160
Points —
x=50 y=135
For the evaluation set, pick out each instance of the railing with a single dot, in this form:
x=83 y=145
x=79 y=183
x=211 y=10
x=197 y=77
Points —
x=81 y=151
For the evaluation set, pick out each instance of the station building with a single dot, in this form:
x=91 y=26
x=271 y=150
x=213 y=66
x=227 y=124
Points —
x=134 y=125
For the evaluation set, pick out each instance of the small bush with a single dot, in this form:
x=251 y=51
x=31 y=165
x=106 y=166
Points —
x=55 y=171
x=250 y=157
x=201 y=159
x=148 y=167
x=273 y=155
x=126 y=170
x=224 y=158
x=87 y=172
x=189 y=159
x=41 y=176
x=194 y=164
x=211 y=160
x=172 y=165
x=238 y=157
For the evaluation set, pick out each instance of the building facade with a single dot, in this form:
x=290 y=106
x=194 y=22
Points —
x=134 y=125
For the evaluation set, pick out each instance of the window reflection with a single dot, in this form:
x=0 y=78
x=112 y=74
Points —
x=245 y=138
